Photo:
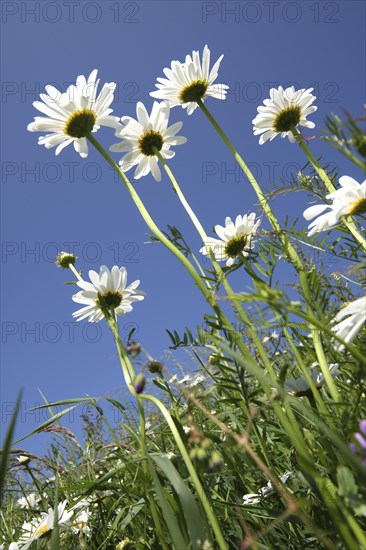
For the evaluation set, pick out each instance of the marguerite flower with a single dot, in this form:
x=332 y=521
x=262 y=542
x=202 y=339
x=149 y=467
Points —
x=236 y=239
x=188 y=82
x=349 y=199
x=141 y=136
x=300 y=386
x=80 y=523
x=255 y=498
x=352 y=318
x=30 y=501
x=72 y=115
x=23 y=459
x=284 y=109
x=106 y=291
x=40 y=526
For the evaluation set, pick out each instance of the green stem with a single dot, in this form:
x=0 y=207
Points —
x=290 y=251
x=288 y=421
x=75 y=272
x=129 y=375
x=236 y=302
x=306 y=373
x=200 y=491
x=181 y=196
x=210 y=298
x=262 y=199
x=126 y=367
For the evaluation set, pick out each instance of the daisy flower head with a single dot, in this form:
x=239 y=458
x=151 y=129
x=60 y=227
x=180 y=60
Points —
x=44 y=524
x=29 y=502
x=72 y=115
x=80 y=523
x=142 y=137
x=283 y=110
x=349 y=199
x=300 y=386
x=107 y=291
x=350 y=320
x=188 y=82
x=235 y=239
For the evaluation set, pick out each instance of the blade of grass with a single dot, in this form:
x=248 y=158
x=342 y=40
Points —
x=7 y=445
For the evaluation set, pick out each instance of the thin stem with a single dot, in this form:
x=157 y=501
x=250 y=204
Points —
x=75 y=272
x=129 y=375
x=185 y=455
x=262 y=199
x=181 y=196
x=305 y=372
x=126 y=367
x=209 y=296
x=236 y=302
x=290 y=251
x=288 y=421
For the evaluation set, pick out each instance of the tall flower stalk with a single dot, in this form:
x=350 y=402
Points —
x=283 y=411
x=289 y=249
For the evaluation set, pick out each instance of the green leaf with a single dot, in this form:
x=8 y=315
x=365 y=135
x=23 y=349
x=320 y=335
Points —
x=346 y=482
x=76 y=400
x=132 y=512
x=193 y=517
x=7 y=445
x=172 y=522
x=47 y=423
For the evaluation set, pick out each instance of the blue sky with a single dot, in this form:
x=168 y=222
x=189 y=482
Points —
x=53 y=203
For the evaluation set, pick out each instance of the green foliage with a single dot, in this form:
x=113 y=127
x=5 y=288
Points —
x=248 y=445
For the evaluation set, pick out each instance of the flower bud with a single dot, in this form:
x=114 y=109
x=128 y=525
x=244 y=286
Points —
x=133 y=349
x=155 y=366
x=65 y=259
x=139 y=383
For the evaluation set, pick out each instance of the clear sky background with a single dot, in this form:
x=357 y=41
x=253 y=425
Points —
x=49 y=202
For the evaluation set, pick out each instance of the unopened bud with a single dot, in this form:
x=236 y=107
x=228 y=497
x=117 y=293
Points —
x=65 y=259
x=139 y=383
x=155 y=367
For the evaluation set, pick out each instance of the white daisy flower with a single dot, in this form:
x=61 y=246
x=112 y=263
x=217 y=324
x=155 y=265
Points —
x=284 y=109
x=40 y=526
x=72 y=115
x=255 y=498
x=188 y=82
x=352 y=318
x=139 y=137
x=300 y=386
x=30 y=501
x=106 y=291
x=23 y=459
x=236 y=239
x=80 y=523
x=349 y=199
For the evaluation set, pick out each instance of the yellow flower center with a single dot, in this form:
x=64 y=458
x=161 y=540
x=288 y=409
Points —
x=194 y=91
x=149 y=140
x=80 y=123
x=79 y=525
x=41 y=531
x=236 y=245
x=110 y=299
x=358 y=207
x=288 y=117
